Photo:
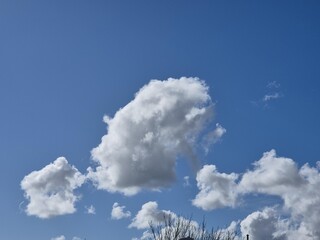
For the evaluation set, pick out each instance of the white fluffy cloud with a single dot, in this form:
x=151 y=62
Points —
x=150 y=213
x=145 y=137
x=264 y=224
x=216 y=189
x=50 y=191
x=299 y=188
x=272 y=175
x=118 y=212
x=269 y=224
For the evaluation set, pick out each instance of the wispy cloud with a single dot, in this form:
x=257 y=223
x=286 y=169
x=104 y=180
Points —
x=273 y=84
x=186 y=181
x=59 y=238
x=273 y=92
x=213 y=137
x=62 y=237
x=76 y=238
x=90 y=210
x=272 y=96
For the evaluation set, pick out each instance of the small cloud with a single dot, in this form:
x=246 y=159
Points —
x=213 y=136
x=50 y=191
x=21 y=207
x=217 y=189
x=186 y=181
x=272 y=96
x=118 y=212
x=272 y=93
x=76 y=238
x=59 y=238
x=150 y=213
x=90 y=210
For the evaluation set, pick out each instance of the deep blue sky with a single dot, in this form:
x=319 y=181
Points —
x=64 y=64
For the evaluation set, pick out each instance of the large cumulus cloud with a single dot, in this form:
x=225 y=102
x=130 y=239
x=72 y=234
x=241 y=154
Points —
x=272 y=175
x=264 y=224
x=299 y=189
x=145 y=137
x=50 y=191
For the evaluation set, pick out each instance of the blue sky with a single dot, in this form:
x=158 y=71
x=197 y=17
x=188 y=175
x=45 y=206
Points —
x=66 y=64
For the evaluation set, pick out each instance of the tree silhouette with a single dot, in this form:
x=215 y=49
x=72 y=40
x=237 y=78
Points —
x=176 y=228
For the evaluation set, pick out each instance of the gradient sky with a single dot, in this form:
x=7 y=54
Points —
x=66 y=64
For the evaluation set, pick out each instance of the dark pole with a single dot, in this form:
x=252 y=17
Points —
x=247 y=236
